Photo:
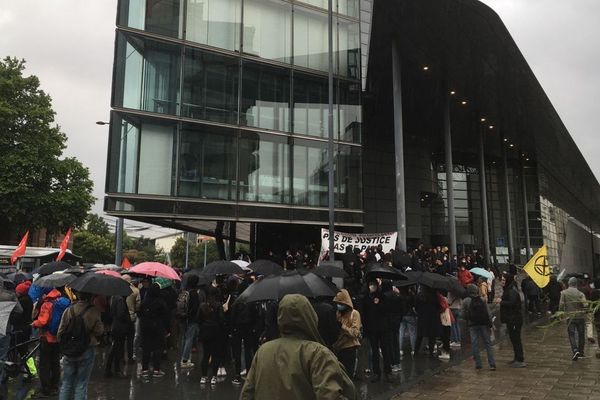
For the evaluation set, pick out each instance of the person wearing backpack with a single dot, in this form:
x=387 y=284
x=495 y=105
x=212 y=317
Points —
x=79 y=334
x=121 y=324
x=475 y=311
x=47 y=321
x=188 y=304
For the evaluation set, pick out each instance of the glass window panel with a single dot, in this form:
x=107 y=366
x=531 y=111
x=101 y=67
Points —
x=207 y=160
x=348 y=177
x=268 y=29
x=147 y=75
x=214 y=22
x=349 y=7
x=349 y=111
x=264 y=168
x=310 y=181
x=311 y=99
x=348 y=55
x=155 y=173
x=311 y=39
x=265 y=97
x=156 y=16
x=124 y=155
x=210 y=86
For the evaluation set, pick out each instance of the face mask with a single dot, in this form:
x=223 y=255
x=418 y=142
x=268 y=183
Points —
x=342 y=307
x=592 y=286
x=372 y=288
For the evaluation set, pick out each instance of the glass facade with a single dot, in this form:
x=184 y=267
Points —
x=236 y=110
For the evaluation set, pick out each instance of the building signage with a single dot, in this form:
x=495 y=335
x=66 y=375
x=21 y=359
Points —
x=362 y=241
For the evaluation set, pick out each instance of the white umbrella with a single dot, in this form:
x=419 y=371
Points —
x=242 y=264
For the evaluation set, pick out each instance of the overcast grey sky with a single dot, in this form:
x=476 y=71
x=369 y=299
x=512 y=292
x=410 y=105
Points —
x=69 y=44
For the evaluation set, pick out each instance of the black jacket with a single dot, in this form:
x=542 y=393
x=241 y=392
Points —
x=510 y=306
x=374 y=313
x=327 y=326
x=121 y=322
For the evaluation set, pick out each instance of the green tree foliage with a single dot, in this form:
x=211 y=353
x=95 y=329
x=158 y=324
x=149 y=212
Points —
x=37 y=187
x=97 y=226
x=93 y=248
x=196 y=254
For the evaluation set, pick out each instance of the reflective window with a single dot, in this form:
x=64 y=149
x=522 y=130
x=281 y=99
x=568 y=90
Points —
x=265 y=97
x=349 y=111
x=156 y=16
x=264 y=168
x=348 y=55
x=210 y=86
x=311 y=105
x=268 y=29
x=310 y=180
x=349 y=7
x=207 y=160
x=124 y=155
x=214 y=22
x=311 y=39
x=156 y=166
x=348 y=177
x=147 y=74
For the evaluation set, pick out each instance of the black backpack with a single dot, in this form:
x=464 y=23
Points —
x=75 y=339
x=478 y=312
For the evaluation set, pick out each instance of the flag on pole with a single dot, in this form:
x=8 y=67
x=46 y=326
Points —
x=538 y=269
x=20 y=250
x=126 y=263
x=63 y=246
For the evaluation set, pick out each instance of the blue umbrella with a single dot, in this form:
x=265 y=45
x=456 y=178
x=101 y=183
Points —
x=481 y=272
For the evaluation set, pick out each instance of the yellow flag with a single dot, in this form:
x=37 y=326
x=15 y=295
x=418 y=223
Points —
x=538 y=269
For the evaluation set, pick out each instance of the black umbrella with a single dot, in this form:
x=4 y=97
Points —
x=52 y=267
x=377 y=270
x=265 y=267
x=221 y=267
x=58 y=279
x=289 y=282
x=101 y=284
x=203 y=279
x=436 y=281
x=330 y=269
x=18 y=277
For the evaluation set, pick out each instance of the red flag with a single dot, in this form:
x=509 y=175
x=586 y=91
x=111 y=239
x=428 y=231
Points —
x=63 y=246
x=20 y=250
x=126 y=263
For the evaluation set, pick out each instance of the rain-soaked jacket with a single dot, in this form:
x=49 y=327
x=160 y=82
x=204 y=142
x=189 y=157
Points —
x=350 y=323
x=297 y=366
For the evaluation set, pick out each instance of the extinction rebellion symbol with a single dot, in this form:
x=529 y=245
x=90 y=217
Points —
x=541 y=266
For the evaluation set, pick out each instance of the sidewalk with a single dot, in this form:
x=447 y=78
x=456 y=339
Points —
x=550 y=373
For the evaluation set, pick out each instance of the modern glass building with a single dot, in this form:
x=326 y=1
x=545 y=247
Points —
x=442 y=132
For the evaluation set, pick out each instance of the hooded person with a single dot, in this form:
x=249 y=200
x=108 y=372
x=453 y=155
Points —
x=348 y=341
x=511 y=314
x=297 y=365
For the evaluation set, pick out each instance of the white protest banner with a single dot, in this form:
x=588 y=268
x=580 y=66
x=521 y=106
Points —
x=358 y=240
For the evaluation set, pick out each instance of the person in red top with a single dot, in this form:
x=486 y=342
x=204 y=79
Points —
x=49 y=368
x=464 y=275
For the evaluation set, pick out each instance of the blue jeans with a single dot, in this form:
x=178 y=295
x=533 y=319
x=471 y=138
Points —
x=455 y=328
x=191 y=333
x=408 y=322
x=481 y=332
x=576 y=330
x=76 y=375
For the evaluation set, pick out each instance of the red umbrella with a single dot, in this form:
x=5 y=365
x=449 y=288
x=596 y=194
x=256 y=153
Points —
x=109 y=272
x=151 y=268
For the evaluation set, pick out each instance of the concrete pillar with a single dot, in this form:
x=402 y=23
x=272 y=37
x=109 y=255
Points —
x=507 y=201
x=528 y=255
x=449 y=174
x=484 y=205
x=399 y=147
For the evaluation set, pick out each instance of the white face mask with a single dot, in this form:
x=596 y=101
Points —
x=592 y=286
x=372 y=288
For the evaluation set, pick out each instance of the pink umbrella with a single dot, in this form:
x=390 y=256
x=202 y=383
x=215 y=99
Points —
x=151 y=268
x=109 y=272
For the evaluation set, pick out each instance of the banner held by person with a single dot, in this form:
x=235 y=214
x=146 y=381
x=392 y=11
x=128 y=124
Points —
x=538 y=269
x=362 y=241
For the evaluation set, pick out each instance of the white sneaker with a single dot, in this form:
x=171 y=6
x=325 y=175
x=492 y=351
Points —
x=213 y=380
x=243 y=373
x=221 y=372
x=444 y=356
x=203 y=380
x=187 y=364
x=455 y=344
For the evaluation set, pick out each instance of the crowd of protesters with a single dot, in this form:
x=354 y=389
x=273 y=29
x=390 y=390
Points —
x=388 y=319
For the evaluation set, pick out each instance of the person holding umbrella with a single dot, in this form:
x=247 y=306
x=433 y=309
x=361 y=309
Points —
x=77 y=369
